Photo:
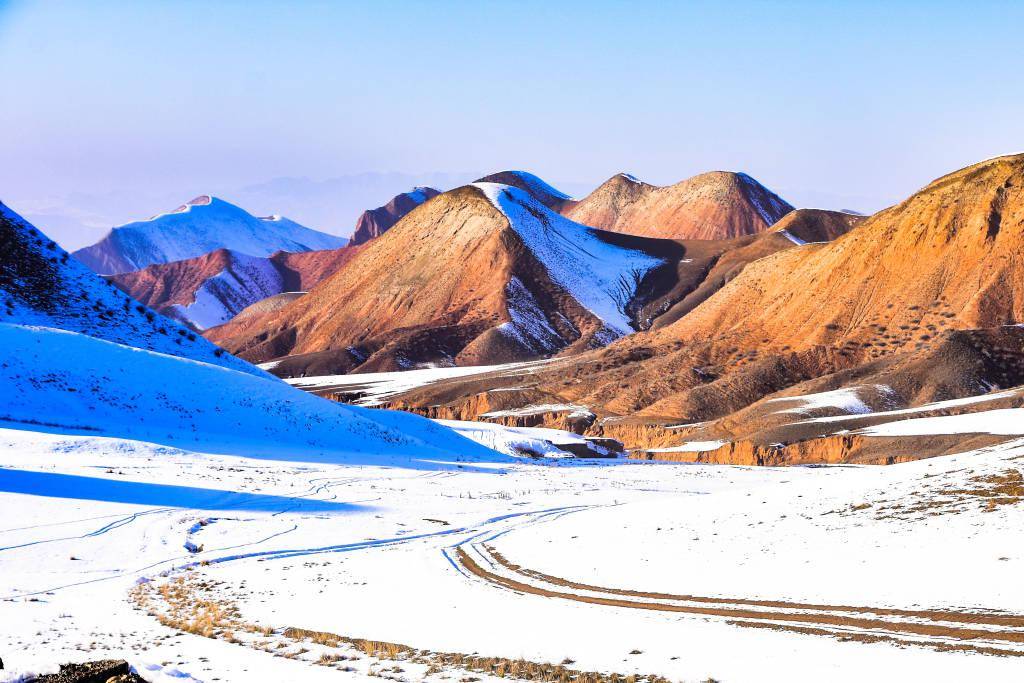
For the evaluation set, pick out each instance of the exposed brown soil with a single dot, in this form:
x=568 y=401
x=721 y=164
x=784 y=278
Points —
x=461 y=245
x=717 y=205
x=268 y=305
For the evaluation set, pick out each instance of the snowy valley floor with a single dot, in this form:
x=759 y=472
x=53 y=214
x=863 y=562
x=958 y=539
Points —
x=222 y=568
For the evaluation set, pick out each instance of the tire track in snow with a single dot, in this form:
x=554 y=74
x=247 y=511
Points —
x=983 y=632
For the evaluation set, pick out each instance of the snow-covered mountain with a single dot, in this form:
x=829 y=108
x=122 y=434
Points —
x=598 y=274
x=539 y=189
x=198 y=227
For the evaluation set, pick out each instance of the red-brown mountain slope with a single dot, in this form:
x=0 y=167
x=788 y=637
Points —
x=716 y=205
x=209 y=290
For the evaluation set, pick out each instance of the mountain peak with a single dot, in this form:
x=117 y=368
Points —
x=712 y=205
x=540 y=190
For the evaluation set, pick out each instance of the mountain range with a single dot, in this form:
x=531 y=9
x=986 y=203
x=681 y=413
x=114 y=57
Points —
x=492 y=273
x=912 y=308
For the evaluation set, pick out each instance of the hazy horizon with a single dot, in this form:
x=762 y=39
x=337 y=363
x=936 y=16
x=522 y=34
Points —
x=120 y=110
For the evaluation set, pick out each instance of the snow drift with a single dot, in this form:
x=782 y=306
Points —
x=55 y=380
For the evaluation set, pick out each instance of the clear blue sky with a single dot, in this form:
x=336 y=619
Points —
x=822 y=101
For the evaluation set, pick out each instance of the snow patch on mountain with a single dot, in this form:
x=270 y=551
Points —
x=247 y=280
x=529 y=326
x=602 y=277
x=538 y=187
x=375 y=388
x=845 y=399
x=768 y=204
x=1004 y=421
x=792 y=238
x=518 y=441
x=420 y=194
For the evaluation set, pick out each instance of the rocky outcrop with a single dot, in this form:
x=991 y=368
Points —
x=103 y=671
x=835 y=449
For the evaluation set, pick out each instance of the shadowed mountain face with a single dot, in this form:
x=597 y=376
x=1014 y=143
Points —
x=919 y=303
x=375 y=222
x=717 y=205
x=202 y=225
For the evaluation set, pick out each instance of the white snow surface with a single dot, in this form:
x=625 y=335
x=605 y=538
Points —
x=199 y=228
x=529 y=326
x=74 y=384
x=247 y=280
x=417 y=194
x=928 y=407
x=689 y=447
x=792 y=238
x=538 y=187
x=1007 y=421
x=516 y=441
x=845 y=399
x=375 y=388
x=366 y=551
x=573 y=409
x=602 y=277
